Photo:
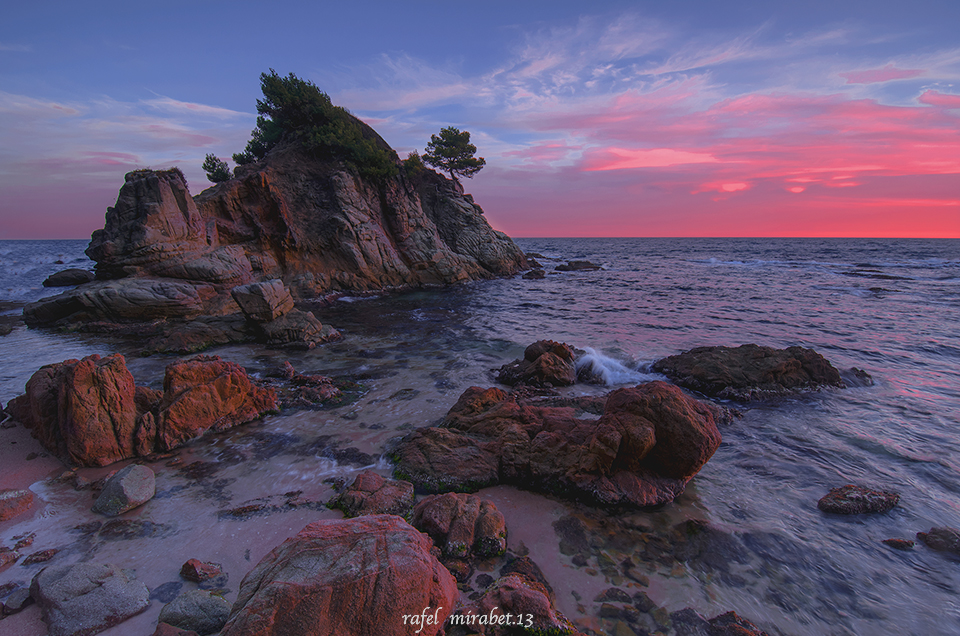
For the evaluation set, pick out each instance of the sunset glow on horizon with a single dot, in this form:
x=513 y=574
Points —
x=630 y=121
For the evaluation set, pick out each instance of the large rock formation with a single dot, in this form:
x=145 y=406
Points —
x=371 y=575
x=646 y=445
x=315 y=226
x=90 y=412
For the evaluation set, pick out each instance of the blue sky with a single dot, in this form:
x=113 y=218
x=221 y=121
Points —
x=608 y=118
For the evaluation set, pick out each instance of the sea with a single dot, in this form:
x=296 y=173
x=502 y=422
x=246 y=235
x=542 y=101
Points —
x=888 y=306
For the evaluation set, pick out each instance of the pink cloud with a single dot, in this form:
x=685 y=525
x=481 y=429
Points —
x=936 y=98
x=886 y=74
x=624 y=159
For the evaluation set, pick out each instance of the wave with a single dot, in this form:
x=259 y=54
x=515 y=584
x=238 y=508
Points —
x=598 y=368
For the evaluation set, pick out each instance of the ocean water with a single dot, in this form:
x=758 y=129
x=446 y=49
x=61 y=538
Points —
x=890 y=307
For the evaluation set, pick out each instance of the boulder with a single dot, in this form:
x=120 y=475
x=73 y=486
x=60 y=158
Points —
x=855 y=500
x=372 y=494
x=199 y=611
x=263 y=302
x=545 y=363
x=90 y=413
x=297 y=328
x=207 y=393
x=648 y=443
x=350 y=577
x=133 y=486
x=169 y=630
x=749 y=372
x=534 y=274
x=14 y=503
x=86 y=598
x=69 y=277
x=82 y=411
x=462 y=525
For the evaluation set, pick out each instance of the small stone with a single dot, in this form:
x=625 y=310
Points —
x=133 y=486
x=853 y=500
x=643 y=603
x=613 y=594
x=8 y=558
x=199 y=571
x=899 y=544
x=14 y=503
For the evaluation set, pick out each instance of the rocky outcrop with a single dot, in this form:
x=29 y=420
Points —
x=749 y=372
x=315 y=227
x=942 y=539
x=90 y=412
x=644 y=447
x=347 y=578
x=855 y=500
x=87 y=598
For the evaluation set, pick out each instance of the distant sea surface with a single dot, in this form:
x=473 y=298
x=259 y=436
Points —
x=890 y=307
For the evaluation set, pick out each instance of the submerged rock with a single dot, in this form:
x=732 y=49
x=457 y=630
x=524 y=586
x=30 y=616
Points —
x=648 y=443
x=346 y=578
x=86 y=598
x=578 y=266
x=14 y=503
x=133 y=486
x=90 y=413
x=855 y=500
x=749 y=372
x=942 y=539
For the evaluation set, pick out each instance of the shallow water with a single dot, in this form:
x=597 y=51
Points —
x=890 y=307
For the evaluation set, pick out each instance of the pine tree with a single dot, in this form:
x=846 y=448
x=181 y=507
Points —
x=452 y=152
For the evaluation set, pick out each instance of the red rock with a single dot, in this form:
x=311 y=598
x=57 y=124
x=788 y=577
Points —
x=83 y=411
x=14 y=503
x=545 y=363
x=351 y=577
x=524 y=599
x=649 y=442
x=372 y=494
x=40 y=557
x=461 y=524
x=89 y=412
x=200 y=571
x=207 y=393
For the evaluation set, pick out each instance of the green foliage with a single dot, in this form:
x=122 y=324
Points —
x=452 y=152
x=217 y=169
x=413 y=165
x=295 y=110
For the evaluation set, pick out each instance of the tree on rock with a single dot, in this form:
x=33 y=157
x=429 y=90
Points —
x=217 y=169
x=452 y=152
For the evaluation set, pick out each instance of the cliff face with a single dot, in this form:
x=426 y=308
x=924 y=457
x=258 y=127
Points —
x=316 y=226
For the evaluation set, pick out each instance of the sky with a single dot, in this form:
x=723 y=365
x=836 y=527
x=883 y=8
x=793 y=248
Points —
x=667 y=118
